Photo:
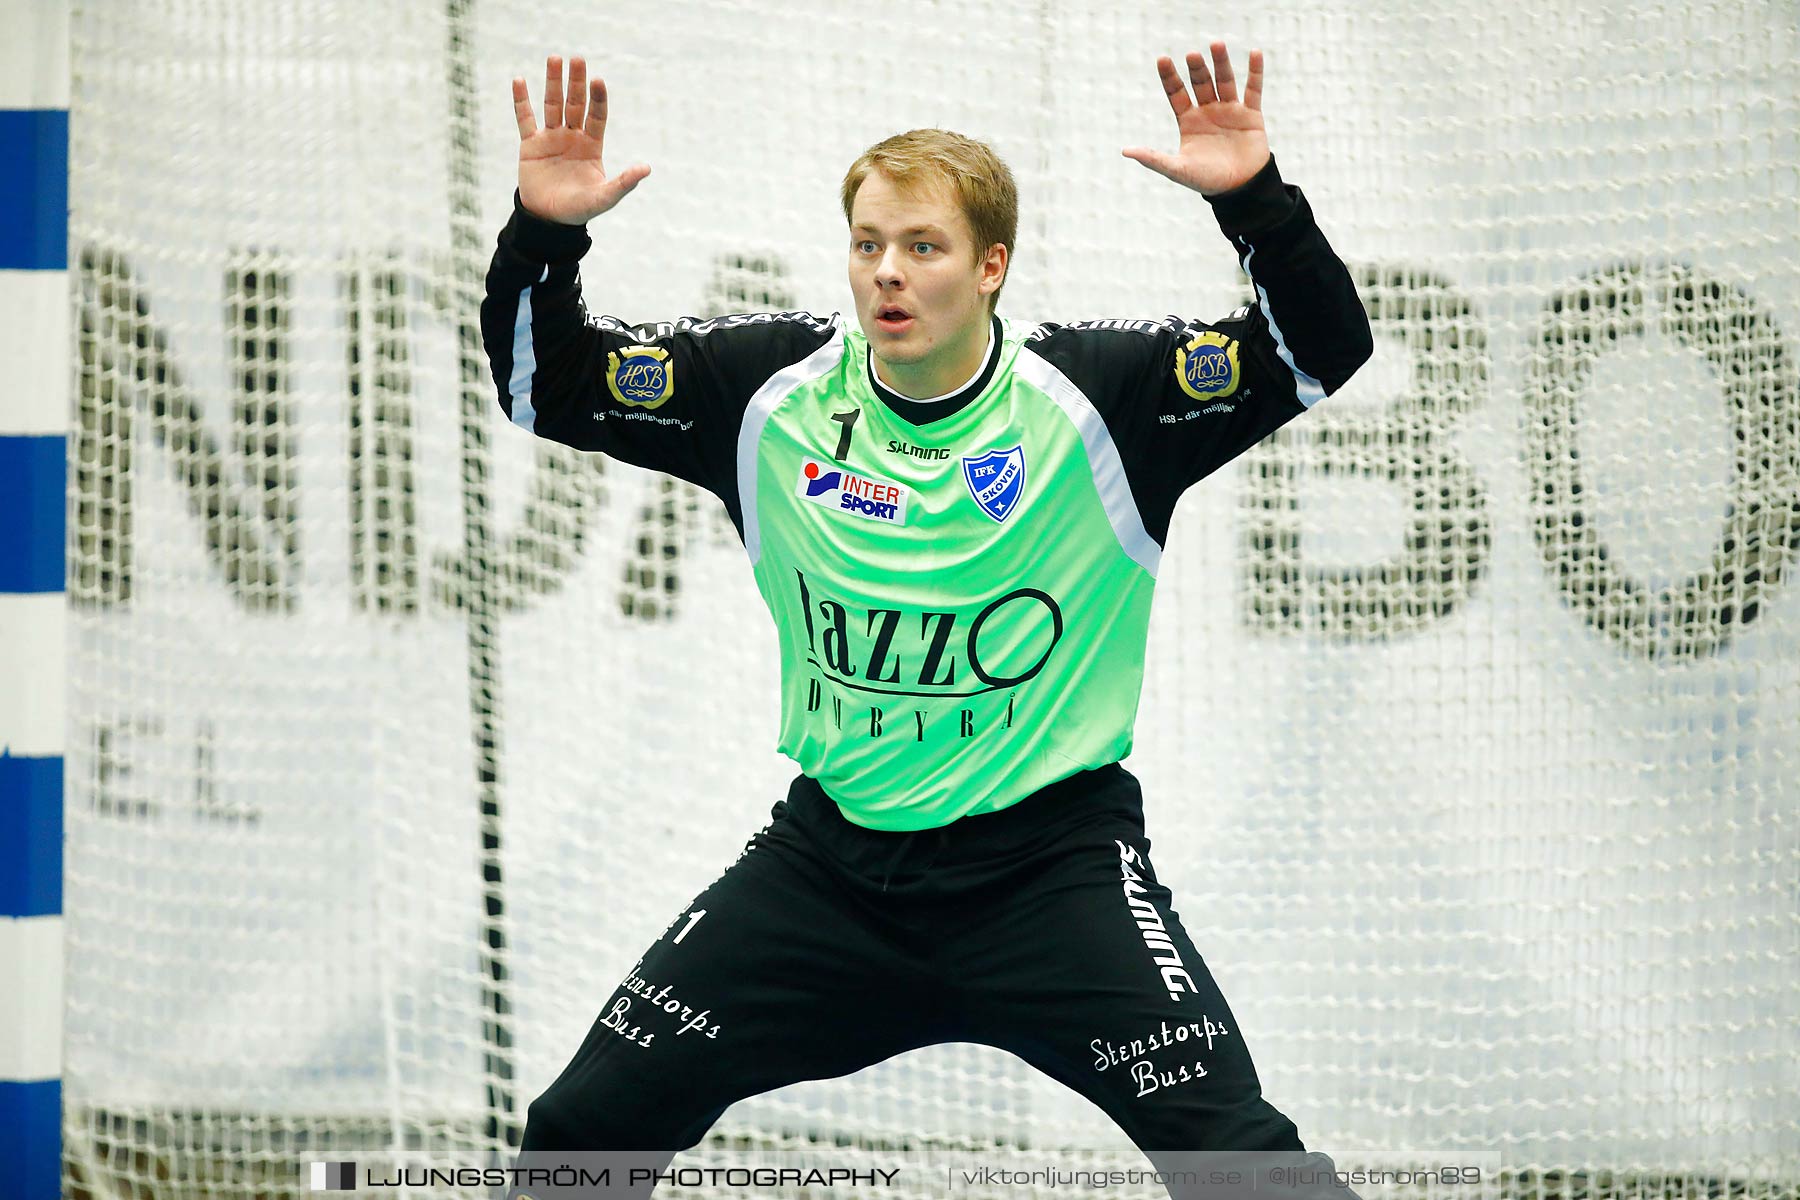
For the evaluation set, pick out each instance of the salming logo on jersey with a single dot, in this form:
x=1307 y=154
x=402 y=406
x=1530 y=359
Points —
x=896 y=446
x=1134 y=325
x=846 y=491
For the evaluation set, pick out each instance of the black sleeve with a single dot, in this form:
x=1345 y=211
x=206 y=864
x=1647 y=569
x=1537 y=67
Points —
x=1181 y=398
x=669 y=396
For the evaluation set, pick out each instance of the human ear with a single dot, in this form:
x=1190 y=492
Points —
x=993 y=268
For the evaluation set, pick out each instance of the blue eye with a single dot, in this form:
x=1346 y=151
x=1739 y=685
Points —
x=865 y=247
x=928 y=247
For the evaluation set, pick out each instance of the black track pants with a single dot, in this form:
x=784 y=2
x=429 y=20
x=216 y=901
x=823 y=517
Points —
x=826 y=947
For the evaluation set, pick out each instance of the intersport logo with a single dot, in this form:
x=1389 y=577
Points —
x=863 y=496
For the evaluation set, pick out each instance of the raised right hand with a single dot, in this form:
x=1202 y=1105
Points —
x=560 y=176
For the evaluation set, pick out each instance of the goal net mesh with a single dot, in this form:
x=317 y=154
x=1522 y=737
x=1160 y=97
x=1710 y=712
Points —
x=1470 y=736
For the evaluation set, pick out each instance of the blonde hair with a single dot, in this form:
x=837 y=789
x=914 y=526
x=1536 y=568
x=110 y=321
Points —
x=981 y=183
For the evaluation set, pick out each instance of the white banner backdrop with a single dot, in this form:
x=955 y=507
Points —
x=1487 y=835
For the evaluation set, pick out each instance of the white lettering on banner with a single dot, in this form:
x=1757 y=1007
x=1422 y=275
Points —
x=1715 y=316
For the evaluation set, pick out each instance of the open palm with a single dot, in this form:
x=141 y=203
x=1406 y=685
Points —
x=560 y=174
x=1223 y=142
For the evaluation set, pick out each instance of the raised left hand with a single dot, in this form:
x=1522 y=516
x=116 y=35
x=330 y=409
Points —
x=1222 y=138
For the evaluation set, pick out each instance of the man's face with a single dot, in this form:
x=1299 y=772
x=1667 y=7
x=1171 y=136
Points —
x=920 y=287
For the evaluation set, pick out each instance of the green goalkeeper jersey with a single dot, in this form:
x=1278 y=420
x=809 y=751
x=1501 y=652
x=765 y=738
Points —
x=961 y=588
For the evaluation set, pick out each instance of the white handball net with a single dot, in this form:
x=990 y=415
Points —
x=1471 y=733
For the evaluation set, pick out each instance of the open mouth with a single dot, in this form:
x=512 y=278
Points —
x=892 y=319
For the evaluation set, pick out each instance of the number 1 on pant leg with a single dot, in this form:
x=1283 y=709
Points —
x=693 y=918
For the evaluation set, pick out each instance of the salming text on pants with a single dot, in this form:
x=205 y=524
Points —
x=827 y=947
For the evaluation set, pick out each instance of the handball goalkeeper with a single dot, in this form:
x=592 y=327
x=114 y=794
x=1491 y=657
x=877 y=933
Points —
x=956 y=523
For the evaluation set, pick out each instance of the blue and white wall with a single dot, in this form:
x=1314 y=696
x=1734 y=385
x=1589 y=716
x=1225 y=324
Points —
x=34 y=421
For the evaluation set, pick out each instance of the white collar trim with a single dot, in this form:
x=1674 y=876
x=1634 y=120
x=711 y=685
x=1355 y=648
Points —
x=986 y=358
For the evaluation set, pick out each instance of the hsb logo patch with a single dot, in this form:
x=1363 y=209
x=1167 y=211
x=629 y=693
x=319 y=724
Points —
x=640 y=376
x=1207 y=367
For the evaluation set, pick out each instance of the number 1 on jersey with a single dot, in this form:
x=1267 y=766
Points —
x=693 y=919
x=848 y=421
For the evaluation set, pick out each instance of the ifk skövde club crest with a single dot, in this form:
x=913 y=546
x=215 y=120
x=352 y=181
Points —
x=996 y=480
